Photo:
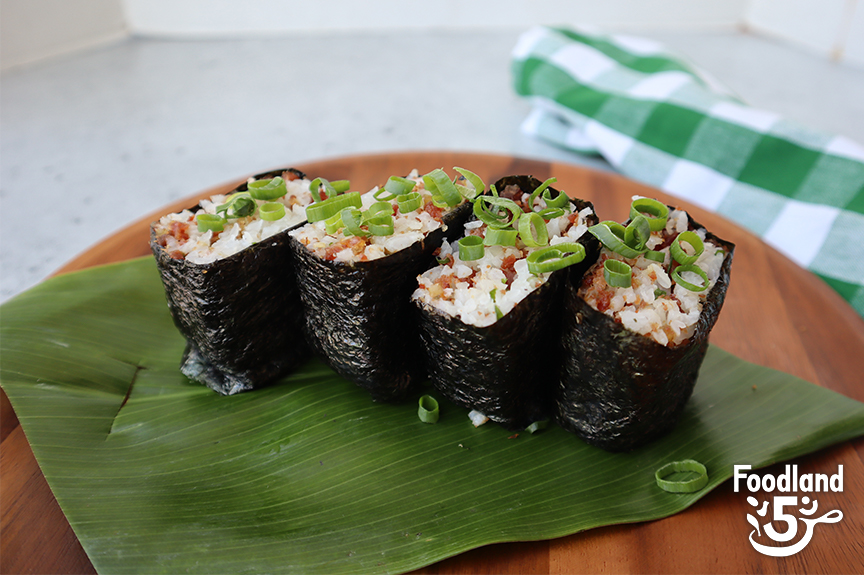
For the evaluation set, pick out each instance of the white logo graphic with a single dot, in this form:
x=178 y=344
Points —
x=788 y=482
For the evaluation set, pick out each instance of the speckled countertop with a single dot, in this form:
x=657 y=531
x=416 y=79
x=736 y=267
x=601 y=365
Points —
x=93 y=141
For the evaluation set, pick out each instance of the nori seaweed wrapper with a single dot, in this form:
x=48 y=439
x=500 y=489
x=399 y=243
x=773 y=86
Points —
x=241 y=315
x=506 y=370
x=359 y=316
x=620 y=389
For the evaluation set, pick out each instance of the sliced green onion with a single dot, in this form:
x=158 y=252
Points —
x=439 y=185
x=611 y=235
x=678 y=252
x=493 y=190
x=532 y=230
x=539 y=190
x=655 y=212
x=272 y=211
x=537 y=426
x=500 y=237
x=658 y=257
x=328 y=208
x=329 y=191
x=268 y=189
x=378 y=209
x=341 y=186
x=552 y=258
x=498 y=313
x=693 y=268
x=427 y=409
x=505 y=214
x=637 y=232
x=687 y=486
x=558 y=201
x=238 y=205
x=210 y=222
x=409 y=202
x=659 y=293
x=471 y=248
x=617 y=273
x=395 y=186
x=379 y=195
x=353 y=219
x=475 y=181
x=333 y=224
x=550 y=213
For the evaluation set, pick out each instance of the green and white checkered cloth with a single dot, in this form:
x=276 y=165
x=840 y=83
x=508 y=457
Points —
x=669 y=125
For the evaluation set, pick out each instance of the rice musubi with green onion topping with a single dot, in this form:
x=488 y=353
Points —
x=224 y=224
x=489 y=309
x=227 y=272
x=655 y=290
x=357 y=260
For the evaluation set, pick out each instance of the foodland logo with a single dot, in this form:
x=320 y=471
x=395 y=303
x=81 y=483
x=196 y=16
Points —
x=789 y=482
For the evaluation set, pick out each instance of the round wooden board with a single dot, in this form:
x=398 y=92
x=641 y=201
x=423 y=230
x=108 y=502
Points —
x=776 y=314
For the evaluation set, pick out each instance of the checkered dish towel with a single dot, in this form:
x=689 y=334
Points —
x=664 y=123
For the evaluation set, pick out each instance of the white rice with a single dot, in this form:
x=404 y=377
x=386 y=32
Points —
x=408 y=228
x=478 y=291
x=238 y=234
x=669 y=319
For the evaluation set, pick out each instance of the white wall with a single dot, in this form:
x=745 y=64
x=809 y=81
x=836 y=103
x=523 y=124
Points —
x=220 y=17
x=833 y=28
x=32 y=30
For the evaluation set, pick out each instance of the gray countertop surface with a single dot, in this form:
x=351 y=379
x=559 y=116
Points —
x=93 y=141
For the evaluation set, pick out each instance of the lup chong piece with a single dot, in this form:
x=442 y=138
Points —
x=636 y=326
x=356 y=261
x=489 y=310
x=227 y=273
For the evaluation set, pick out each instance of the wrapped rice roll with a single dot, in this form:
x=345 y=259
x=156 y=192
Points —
x=490 y=311
x=356 y=267
x=636 y=326
x=227 y=273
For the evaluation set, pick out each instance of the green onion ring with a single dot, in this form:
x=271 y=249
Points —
x=397 y=186
x=637 y=233
x=272 y=211
x=537 y=426
x=329 y=191
x=353 y=219
x=379 y=195
x=550 y=213
x=493 y=190
x=676 y=277
x=617 y=273
x=269 y=189
x=553 y=258
x=474 y=180
x=328 y=208
x=471 y=248
x=532 y=230
x=341 y=186
x=238 y=205
x=380 y=226
x=659 y=293
x=655 y=212
x=427 y=409
x=658 y=257
x=333 y=224
x=497 y=218
x=689 y=486
x=500 y=237
x=611 y=235
x=558 y=201
x=210 y=222
x=409 y=202
x=378 y=209
x=539 y=190
x=678 y=252
x=439 y=184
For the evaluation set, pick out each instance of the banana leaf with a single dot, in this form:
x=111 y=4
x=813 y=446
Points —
x=158 y=474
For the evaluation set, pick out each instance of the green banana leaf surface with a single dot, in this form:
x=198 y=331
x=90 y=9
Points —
x=158 y=474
